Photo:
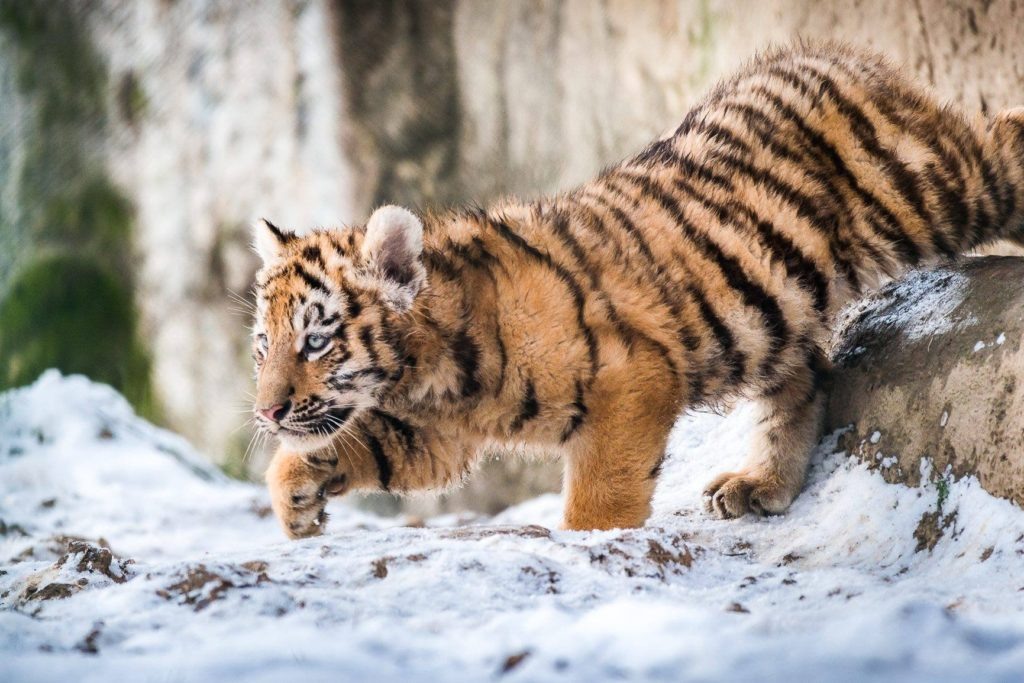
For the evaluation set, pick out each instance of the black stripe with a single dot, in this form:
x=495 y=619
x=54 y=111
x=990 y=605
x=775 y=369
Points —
x=713 y=130
x=950 y=199
x=772 y=240
x=659 y=152
x=398 y=427
x=564 y=275
x=529 y=407
x=656 y=470
x=560 y=224
x=436 y=262
x=628 y=225
x=900 y=179
x=826 y=153
x=337 y=416
x=668 y=298
x=312 y=253
x=377 y=373
x=579 y=414
x=734 y=357
x=315 y=308
x=795 y=262
x=664 y=154
x=467 y=356
x=383 y=466
x=752 y=294
x=993 y=190
x=474 y=255
x=368 y=338
x=313 y=281
x=353 y=307
x=503 y=355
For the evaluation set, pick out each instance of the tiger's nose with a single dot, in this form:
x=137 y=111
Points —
x=276 y=413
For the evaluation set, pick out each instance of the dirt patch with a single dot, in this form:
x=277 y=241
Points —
x=82 y=564
x=472 y=533
x=91 y=558
x=666 y=559
x=11 y=529
x=549 y=578
x=201 y=586
x=512 y=661
x=380 y=568
x=636 y=556
x=55 y=547
x=931 y=528
x=51 y=591
x=88 y=644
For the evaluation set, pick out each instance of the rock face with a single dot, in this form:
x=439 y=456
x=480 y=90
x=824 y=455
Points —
x=227 y=111
x=932 y=367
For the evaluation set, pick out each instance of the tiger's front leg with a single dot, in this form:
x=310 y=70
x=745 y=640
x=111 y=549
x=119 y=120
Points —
x=614 y=463
x=378 y=453
x=299 y=485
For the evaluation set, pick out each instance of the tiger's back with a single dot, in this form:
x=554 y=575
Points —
x=708 y=265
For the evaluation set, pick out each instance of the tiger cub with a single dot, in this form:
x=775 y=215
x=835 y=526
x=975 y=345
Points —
x=707 y=266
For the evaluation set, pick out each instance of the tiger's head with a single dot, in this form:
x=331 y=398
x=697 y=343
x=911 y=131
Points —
x=330 y=310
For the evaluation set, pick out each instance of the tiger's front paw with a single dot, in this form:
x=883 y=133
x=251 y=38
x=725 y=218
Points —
x=734 y=494
x=299 y=487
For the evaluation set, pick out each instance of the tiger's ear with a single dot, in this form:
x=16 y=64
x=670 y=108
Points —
x=392 y=251
x=270 y=241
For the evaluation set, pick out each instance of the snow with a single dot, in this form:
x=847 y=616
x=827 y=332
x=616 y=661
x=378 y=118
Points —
x=922 y=304
x=861 y=580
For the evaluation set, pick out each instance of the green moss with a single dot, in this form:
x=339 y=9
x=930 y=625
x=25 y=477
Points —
x=70 y=303
x=91 y=214
x=942 y=491
x=68 y=311
x=132 y=99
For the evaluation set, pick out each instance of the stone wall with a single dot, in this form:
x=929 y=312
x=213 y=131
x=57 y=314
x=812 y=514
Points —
x=226 y=111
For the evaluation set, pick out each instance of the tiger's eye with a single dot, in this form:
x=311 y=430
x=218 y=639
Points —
x=315 y=342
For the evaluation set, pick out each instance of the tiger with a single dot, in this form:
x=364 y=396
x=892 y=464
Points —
x=707 y=268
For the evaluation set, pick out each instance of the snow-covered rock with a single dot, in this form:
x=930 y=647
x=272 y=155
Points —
x=122 y=553
x=932 y=368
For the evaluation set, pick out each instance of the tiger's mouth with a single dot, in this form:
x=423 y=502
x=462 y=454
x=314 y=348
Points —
x=317 y=429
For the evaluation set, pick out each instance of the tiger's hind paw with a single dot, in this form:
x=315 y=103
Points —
x=734 y=494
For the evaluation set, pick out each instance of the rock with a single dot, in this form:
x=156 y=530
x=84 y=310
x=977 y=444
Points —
x=932 y=367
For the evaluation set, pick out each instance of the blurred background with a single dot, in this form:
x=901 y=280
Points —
x=140 y=138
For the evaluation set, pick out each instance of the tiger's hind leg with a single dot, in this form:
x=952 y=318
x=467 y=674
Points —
x=789 y=426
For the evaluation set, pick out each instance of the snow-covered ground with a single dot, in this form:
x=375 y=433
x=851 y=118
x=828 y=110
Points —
x=122 y=552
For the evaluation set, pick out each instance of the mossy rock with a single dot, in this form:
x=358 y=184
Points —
x=69 y=312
